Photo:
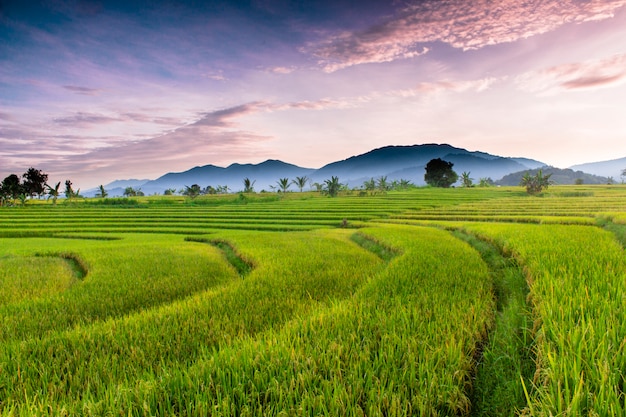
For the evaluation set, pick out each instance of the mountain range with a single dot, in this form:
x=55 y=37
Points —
x=394 y=162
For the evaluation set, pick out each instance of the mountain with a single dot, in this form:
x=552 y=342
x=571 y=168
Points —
x=408 y=162
x=612 y=168
x=559 y=176
x=265 y=175
x=394 y=162
x=115 y=188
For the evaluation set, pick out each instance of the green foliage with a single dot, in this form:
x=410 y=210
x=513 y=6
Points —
x=301 y=182
x=248 y=185
x=439 y=173
x=535 y=184
x=283 y=184
x=466 y=181
x=102 y=193
x=193 y=191
x=332 y=186
x=34 y=182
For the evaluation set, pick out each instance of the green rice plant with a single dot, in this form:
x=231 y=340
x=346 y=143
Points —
x=30 y=278
x=294 y=274
x=404 y=344
x=576 y=276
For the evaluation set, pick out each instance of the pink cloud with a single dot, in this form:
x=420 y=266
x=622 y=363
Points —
x=576 y=76
x=463 y=24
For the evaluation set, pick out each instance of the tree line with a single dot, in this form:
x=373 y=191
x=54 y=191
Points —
x=33 y=183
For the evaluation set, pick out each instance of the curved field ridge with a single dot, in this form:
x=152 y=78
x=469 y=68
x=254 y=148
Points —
x=76 y=264
x=577 y=278
x=392 y=319
x=30 y=278
x=243 y=266
x=402 y=345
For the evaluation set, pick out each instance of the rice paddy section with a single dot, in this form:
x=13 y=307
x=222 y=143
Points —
x=31 y=277
x=79 y=368
x=577 y=278
x=404 y=344
x=137 y=272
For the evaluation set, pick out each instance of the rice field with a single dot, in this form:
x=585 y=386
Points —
x=435 y=302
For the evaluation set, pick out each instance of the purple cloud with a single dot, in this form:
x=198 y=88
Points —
x=459 y=23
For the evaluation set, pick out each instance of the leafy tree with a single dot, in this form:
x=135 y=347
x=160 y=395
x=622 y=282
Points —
x=34 y=182
x=133 y=192
x=623 y=175
x=11 y=187
x=535 y=183
x=332 y=186
x=300 y=182
x=248 y=185
x=439 y=173
x=466 y=180
x=169 y=191
x=193 y=191
x=53 y=192
x=283 y=184
x=610 y=181
x=102 y=193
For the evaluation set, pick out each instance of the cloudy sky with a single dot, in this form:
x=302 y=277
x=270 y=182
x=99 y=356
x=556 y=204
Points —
x=100 y=90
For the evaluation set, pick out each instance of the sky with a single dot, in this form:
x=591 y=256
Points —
x=95 y=91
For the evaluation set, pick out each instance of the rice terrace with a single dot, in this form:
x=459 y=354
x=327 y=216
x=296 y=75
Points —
x=432 y=302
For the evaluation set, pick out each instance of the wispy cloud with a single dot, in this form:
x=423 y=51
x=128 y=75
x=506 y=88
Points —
x=462 y=24
x=85 y=91
x=575 y=76
x=83 y=119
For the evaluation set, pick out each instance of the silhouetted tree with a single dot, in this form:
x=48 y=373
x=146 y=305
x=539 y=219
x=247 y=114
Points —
x=34 y=182
x=11 y=187
x=439 y=173
x=53 y=192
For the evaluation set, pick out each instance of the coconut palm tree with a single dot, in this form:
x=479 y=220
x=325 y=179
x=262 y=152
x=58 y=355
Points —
x=248 y=185
x=283 y=184
x=332 y=186
x=466 y=180
x=53 y=192
x=102 y=193
x=382 y=184
x=300 y=182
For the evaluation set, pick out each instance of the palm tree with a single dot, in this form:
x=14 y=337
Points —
x=102 y=193
x=69 y=191
x=370 y=185
x=301 y=182
x=332 y=186
x=284 y=184
x=248 y=185
x=466 y=180
x=382 y=184
x=53 y=192
x=535 y=183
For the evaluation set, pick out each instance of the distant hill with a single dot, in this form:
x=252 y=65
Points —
x=612 y=168
x=559 y=176
x=395 y=162
x=409 y=162
x=115 y=188
x=265 y=175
